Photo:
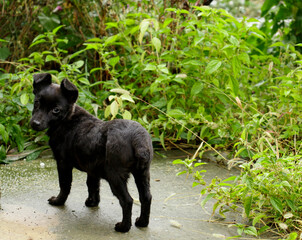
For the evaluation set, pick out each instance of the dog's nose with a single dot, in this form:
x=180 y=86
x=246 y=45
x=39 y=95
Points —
x=35 y=123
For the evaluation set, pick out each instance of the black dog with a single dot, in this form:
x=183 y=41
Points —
x=110 y=150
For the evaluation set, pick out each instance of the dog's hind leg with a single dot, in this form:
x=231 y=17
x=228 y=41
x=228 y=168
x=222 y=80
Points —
x=142 y=180
x=119 y=189
x=93 y=185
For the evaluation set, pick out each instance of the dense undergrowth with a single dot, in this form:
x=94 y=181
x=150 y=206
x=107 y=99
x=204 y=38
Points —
x=190 y=77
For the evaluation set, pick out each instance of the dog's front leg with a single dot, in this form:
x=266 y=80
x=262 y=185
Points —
x=65 y=179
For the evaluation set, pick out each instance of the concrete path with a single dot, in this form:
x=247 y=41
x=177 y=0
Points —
x=176 y=213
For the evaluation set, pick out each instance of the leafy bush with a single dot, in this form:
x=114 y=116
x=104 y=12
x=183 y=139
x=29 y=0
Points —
x=284 y=16
x=199 y=70
x=267 y=193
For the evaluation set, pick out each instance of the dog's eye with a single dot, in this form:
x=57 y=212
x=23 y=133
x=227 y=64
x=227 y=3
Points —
x=56 y=110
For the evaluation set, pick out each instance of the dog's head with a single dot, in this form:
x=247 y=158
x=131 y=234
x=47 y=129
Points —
x=53 y=102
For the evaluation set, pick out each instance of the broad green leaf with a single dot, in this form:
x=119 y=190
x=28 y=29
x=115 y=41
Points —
x=232 y=178
x=150 y=67
x=111 y=39
x=169 y=105
x=245 y=58
x=263 y=229
x=291 y=204
x=292 y=236
x=257 y=218
x=113 y=61
x=111 y=25
x=194 y=63
x=59 y=40
x=156 y=43
x=57 y=29
x=162 y=140
x=178 y=161
x=95 y=69
x=196 y=88
x=51 y=58
x=176 y=113
x=251 y=231
x=213 y=66
x=127 y=97
x=127 y=115
x=17 y=133
x=24 y=99
x=37 y=42
x=199 y=164
x=247 y=205
x=84 y=81
x=4 y=134
x=98 y=40
x=234 y=85
x=194 y=184
x=163 y=68
x=234 y=41
x=180 y=173
x=208 y=197
x=120 y=91
x=240 y=151
x=167 y=22
x=114 y=108
x=107 y=111
x=277 y=204
x=236 y=66
x=76 y=54
x=40 y=36
x=78 y=64
x=143 y=28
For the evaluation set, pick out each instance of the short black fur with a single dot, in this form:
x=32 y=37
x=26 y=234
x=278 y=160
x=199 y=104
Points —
x=103 y=149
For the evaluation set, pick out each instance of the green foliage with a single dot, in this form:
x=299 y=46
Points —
x=284 y=16
x=200 y=69
x=267 y=192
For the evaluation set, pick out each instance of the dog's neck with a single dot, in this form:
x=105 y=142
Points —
x=71 y=112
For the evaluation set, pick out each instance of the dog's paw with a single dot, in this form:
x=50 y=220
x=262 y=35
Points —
x=122 y=227
x=55 y=201
x=91 y=202
x=141 y=222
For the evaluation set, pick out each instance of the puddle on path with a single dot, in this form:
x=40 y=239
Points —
x=175 y=214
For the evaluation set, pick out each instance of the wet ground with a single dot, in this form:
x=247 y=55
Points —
x=176 y=213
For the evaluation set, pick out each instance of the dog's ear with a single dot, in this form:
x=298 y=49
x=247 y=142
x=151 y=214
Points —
x=41 y=80
x=69 y=90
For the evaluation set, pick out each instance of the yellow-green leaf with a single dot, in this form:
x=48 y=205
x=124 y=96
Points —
x=24 y=99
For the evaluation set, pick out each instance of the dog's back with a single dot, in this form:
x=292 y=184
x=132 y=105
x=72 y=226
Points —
x=94 y=145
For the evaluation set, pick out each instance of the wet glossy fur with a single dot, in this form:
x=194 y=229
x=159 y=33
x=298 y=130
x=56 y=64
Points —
x=110 y=150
